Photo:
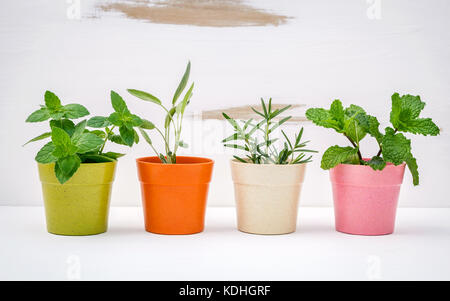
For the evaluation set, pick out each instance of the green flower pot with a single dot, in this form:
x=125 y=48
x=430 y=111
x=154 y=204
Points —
x=81 y=205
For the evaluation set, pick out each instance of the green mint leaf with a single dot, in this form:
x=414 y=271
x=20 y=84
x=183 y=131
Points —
x=115 y=119
x=40 y=137
x=113 y=155
x=74 y=111
x=405 y=114
x=88 y=142
x=60 y=138
x=127 y=135
x=98 y=133
x=396 y=148
x=78 y=130
x=423 y=126
x=370 y=125
x=45 y=155
x=66 y=167
x=377 y=163
x=354 y=110
x=116 y=139
x=136 y=120
x=95 y=158
x=144 y=96
x=322 y=117
x=411 y=162
x=63 y=143
x=57 y=114
x=51 y=100
x=98 y=122
x=39 y=115
x=182 y=84
x=337 y=112
x=119 y=104
x=353 y=130
x=336 y=155
x=67 y=125
x=404 y=109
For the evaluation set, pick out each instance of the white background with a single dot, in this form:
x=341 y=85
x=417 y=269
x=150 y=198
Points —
x=329 y=49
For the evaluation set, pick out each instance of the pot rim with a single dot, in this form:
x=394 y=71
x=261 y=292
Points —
x=367 y=159
x=234 y=161
x=208 y=161
x=83 y=164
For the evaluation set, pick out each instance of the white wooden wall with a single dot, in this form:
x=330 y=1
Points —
x=356 y=50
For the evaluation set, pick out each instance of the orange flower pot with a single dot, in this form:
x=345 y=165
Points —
x=174 y=195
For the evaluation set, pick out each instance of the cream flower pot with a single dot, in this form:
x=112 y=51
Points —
x=267 y=196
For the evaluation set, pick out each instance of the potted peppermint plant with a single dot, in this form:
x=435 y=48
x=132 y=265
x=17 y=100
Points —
x=174 y=188
x=75 y=170
x=366 y=189
x=268 y=179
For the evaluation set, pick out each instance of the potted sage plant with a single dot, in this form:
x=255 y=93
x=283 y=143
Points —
x=174 y=188
x=268 y=179
x=75 y=170
x=366 y=189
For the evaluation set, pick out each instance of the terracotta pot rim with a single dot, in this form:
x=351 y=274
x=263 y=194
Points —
x=234 y=161
x=207 y=161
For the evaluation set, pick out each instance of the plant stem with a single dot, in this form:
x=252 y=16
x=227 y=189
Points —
x=156 y=152
x=379 y=152
x=106 y=140
x=164 y=138
x=355 y=146
x=381 y=149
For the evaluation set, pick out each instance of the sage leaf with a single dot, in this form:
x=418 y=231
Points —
x=144 y=96
x=182 y=84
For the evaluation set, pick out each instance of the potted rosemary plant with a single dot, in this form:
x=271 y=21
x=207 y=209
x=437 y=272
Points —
x=174 y=188
x=268 y=179
x=366 y=190
x=75 y=170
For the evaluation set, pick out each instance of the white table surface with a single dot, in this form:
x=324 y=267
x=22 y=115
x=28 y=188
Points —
x=419 y=249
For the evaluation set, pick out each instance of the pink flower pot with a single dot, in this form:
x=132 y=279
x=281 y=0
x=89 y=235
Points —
x=365 y=200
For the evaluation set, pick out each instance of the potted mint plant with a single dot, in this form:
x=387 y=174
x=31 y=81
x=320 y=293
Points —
x=75 y=170
x=268 y=179
x=366 y=190
x=174 y=188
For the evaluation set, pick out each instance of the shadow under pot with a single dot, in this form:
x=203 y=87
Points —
x=81 y=205
x=365 y=200
x=267 y=196
x=174 y=195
